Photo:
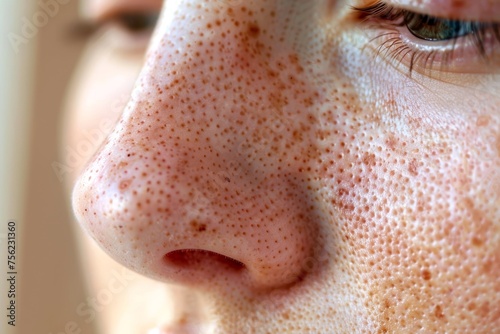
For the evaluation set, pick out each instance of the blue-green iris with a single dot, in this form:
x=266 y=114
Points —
x=436 y=29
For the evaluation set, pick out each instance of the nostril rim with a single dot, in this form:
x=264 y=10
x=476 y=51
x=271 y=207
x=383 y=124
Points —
x=191 y=258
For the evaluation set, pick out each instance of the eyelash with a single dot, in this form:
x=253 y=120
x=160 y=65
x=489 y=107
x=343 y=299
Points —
x=387 y=17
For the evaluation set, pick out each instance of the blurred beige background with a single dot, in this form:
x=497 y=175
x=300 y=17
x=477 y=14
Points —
x=33 y=82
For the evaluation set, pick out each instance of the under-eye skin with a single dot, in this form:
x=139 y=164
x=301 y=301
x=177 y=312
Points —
x=431 y=43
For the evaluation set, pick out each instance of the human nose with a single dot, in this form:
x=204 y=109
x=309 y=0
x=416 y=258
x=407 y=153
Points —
x=206 y=179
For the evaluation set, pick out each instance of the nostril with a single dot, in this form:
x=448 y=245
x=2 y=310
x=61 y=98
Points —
x=196 y=258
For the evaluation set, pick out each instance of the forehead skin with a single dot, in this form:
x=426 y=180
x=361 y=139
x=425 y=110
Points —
x=353 y=197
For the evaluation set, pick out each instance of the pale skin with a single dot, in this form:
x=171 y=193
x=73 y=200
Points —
x=271 y=170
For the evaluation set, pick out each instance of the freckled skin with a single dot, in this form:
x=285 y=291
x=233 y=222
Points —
x=296 y=185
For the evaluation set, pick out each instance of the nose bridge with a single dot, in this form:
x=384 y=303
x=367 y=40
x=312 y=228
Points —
x=210 y=159
x=216 y=29
x=206 y=60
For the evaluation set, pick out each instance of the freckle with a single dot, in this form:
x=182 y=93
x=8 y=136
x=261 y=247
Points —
x=471 y=306
x=483 y=120
x=387 y=304
x=484 y=309
x=426 y=274
x=253 y=30
x=476 y=241
x=197 y=226
x=469 y=204
x=391 y=142
x=413 y=167
x=487 y=267
x=124 y=184
x=272 y=74
x=369 y=159
x=438 y=312
x=122 y=164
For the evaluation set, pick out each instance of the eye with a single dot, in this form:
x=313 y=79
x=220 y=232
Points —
x=427 y=43
x=436 y=29
x=137 y=22
x=123 y=30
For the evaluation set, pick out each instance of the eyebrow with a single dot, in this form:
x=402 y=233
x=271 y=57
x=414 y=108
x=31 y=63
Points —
x=473 y=10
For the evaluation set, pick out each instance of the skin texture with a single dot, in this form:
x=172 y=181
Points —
x=272 y=174
x=460 y=9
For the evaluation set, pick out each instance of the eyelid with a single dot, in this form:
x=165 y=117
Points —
x=466 y=10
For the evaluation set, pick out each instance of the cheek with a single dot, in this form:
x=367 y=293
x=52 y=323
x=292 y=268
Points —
x=416 y=210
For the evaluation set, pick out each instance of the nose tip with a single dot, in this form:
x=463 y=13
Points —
x=180 y=233
x=203 y=182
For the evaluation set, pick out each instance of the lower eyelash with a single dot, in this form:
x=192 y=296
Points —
x=393 y=46
x=383 y=16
